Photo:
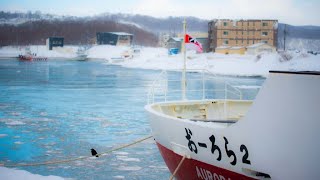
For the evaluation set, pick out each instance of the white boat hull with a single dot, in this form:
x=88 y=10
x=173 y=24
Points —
x=277 y=138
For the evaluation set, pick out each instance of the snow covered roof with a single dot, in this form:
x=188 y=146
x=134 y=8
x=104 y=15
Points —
x=121 y=33
x=221 y=20
x=176 y=39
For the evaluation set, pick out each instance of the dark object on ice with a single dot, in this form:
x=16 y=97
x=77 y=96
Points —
x=313 y=52
x=94 y=153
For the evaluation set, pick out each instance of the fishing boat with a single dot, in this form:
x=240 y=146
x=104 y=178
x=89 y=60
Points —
x=274 y=136
x=31 y=57
x=28 y=56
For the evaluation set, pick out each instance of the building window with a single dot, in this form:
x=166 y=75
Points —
x=225 y=33
x=237 y=42
x=252 y=41
x=265 y=42
x=123 y=38
x=248 y=42
x=264 y=24
x=225 y=42
x=225 y=24
x=248 y=33
x=264 y=33
x=242 y=32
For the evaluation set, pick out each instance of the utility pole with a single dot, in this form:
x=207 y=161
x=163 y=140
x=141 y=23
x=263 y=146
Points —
x=184 y=60
x=284 y=37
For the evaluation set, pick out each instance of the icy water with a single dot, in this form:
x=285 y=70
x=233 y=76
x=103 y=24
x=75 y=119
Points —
x=58 y=110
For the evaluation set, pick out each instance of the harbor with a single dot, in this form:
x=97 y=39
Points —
x=57 y=110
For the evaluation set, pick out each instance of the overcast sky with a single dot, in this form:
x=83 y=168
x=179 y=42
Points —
x=295 y=12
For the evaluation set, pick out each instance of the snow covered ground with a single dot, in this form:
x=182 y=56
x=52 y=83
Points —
x=8 y=174
x=158 y=58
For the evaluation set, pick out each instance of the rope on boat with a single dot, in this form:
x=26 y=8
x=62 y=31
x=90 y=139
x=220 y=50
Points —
x=178 y=167
x=75 y=159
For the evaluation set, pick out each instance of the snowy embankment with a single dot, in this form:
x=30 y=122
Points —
x=235 y=65
x=40 y=50
x=157 y=58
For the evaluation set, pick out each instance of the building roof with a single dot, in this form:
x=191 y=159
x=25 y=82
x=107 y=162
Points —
x=55 y=37
x=176 y=39
x=121 y=33
x=256 y=20
x=195 y=35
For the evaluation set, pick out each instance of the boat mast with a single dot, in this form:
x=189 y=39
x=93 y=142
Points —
x=183 y=82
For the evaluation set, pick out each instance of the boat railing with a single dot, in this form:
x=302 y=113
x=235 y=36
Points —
x=166 y=88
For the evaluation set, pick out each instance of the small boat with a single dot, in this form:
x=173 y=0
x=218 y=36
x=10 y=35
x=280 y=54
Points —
x=81 y=54
x=131 y=53
x=276 y=136
x=31 y=57
x=28 y=56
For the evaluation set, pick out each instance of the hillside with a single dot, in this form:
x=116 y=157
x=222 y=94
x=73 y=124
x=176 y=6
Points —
x=157 y=25
x=34 y=28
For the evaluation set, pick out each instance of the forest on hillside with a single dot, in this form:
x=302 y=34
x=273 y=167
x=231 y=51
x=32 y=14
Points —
x=74 y=31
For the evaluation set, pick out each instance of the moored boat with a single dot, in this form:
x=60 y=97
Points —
x=81 y=54
x=30 y=57
x=273 y=137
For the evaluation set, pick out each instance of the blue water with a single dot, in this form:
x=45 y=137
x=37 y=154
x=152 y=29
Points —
x=61 y=109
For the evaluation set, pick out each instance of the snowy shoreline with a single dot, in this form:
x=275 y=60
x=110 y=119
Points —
x=158 y=59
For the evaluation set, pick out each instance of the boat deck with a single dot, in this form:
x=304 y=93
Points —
x=221 y=111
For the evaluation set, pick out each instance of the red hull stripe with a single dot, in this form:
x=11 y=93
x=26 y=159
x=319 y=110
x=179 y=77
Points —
x=193 y=169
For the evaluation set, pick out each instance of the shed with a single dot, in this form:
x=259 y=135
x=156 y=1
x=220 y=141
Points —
x=237 y=50
x=174 y=43
x=115 y=38
x=223 y=49
x=54 y=42
x=259 y=48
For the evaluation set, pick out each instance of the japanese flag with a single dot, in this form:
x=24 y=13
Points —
x=192 y=43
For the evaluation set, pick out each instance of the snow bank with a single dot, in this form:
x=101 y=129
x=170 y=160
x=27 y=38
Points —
x=13 y=174
x=106 y=51
x=10 y=51
x=40 y=50
x=158 y=58
x=237 y=65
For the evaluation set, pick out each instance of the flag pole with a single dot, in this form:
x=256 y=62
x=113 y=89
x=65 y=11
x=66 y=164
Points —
x=184 y=61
